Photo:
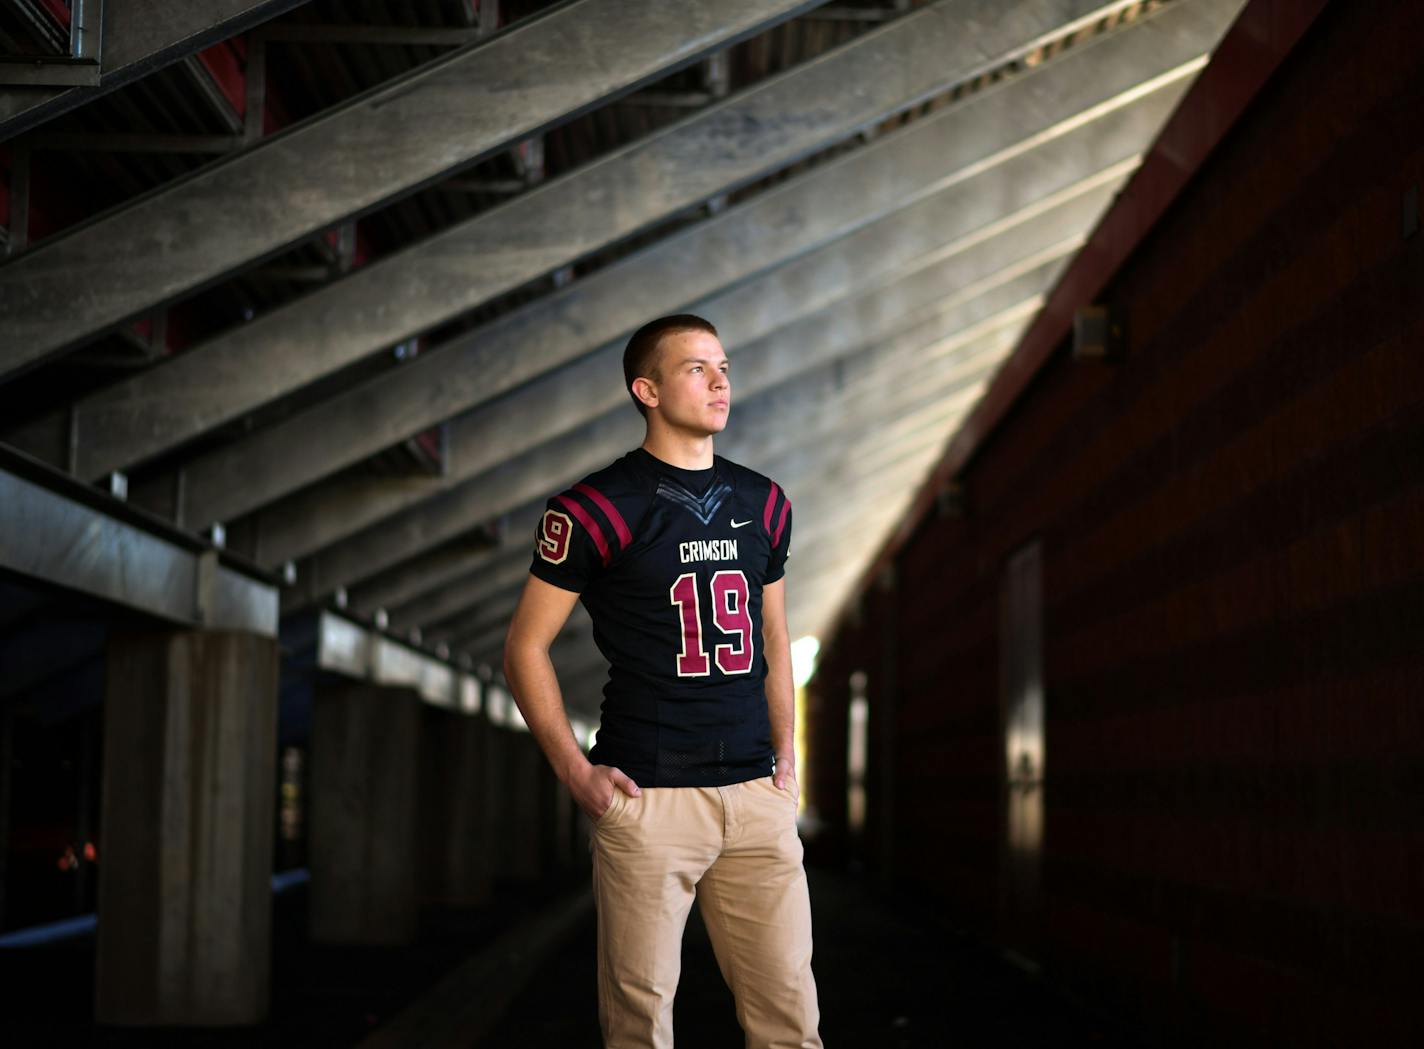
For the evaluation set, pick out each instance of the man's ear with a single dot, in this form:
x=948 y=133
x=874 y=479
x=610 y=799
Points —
x=645 y=391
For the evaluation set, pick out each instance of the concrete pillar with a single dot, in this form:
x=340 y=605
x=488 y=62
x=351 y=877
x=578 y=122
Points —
x=365 y=744
x=524 y=799
x=433 y=807
x=188 y=808
x=582 y=831
x=563 y=821
x=519 y=819
x=454 y=835
x=7 y=738
x=498 y=819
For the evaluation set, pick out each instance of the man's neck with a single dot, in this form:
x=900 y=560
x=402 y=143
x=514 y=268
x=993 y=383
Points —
x=689 y=451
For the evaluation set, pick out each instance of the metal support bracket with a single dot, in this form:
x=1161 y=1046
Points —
x=80 y=68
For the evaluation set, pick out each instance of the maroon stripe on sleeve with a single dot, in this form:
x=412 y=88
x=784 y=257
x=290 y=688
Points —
x=586 y=519
x=770 y=505
x=781 y=522
x=609 y=511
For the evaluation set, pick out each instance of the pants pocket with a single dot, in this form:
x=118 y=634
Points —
x=794 y=799
x=609 y=812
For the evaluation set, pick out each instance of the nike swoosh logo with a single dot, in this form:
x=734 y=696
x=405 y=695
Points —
x=739 y=524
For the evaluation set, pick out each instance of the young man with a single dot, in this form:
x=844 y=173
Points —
x=679 y=556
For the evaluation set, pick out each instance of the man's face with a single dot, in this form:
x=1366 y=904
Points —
x=693 y=387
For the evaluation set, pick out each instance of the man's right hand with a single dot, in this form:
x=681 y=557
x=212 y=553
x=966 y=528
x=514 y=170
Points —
x=593 y=788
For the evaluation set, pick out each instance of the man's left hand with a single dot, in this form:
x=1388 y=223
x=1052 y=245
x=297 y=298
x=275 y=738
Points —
x=785 y=778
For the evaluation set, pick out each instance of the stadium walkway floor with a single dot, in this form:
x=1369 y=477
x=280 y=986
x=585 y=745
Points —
x=887 y=978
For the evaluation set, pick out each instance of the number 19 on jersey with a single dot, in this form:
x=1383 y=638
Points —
x=729 y=613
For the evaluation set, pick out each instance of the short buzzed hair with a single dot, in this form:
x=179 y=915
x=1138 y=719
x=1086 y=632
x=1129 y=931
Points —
x=640 y=358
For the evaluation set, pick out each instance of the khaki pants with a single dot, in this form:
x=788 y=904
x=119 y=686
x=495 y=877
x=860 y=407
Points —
x=736 y=849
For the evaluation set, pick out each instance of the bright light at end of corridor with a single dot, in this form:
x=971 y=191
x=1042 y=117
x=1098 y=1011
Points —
x=803 y=658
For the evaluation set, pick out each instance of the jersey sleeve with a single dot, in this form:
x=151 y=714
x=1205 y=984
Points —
x=777 y=519
x=579 y=534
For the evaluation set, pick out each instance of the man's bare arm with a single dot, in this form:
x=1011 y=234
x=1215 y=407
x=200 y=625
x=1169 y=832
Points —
x=780 y=690
x=541 y=613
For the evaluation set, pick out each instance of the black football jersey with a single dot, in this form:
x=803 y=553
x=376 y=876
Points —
x=671 y=572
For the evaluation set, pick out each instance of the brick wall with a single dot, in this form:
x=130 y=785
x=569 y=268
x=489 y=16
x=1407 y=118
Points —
x=1232 y=526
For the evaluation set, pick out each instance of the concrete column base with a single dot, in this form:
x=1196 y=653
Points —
x=185 y=893
x=499 y=816
x=364 y=785
x=524 y=794
x=454 y=834
x=563 y=821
